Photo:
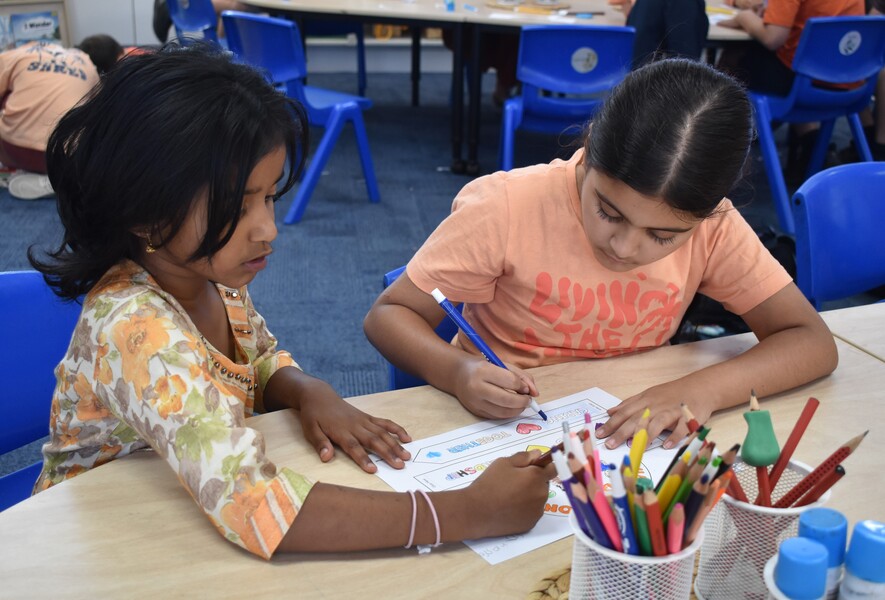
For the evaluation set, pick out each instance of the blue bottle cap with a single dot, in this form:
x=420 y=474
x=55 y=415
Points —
x=866 y=552
x=801 y=570
x=830 y=528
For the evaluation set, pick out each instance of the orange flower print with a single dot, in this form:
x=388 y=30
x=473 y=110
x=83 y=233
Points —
x=89 y=407
x=102 y=372
x=138 y=339
x=169 y=391
x=68 y=436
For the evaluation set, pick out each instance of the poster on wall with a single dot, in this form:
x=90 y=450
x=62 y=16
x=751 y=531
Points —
x=19 y=29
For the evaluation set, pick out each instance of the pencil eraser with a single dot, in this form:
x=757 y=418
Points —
x=760 y=448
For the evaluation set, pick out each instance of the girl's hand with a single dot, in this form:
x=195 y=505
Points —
x=492 y=392
x=327 y=419
x=663 y=401
x=509 y=496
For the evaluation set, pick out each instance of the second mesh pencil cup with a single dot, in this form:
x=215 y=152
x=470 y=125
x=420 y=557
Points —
x=741 y=537
x=601 y=574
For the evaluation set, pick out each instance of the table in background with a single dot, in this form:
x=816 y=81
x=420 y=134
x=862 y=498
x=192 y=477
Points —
x=860 y=326
x=129 y=525
x=463 y=22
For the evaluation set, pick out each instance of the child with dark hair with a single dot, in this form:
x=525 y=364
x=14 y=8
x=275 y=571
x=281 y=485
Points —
x=104 y=51
x=166 y=179
x=600 y=255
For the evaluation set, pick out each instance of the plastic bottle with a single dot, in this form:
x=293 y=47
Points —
x=865 y=563
x=799 y=570
x=830 y=528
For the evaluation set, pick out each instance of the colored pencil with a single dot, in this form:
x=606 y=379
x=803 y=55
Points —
x=694 y=525
x=690 y=420
x=643 y=535
x=655 y=523
x=671 y=485
x=694 y=473
x=640 y=440
x=792 y=441
x=594 y=452
x=736 y=491
x=822 y=470
x=582 y=504
x=814 y=494
x=604 y=510
x=546 y=457
x=675 y=529
x=727 y=460
x=696 y=497
x=763 y=497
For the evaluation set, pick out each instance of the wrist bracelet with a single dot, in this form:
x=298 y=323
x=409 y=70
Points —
x=414 y=517
x=435 y=523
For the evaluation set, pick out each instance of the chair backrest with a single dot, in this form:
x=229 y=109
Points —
x=271 y=44
x=575 y=60
x=397 y=378
x=191 y=16
x=839 y=50
x=38 y=331
x=840 y=249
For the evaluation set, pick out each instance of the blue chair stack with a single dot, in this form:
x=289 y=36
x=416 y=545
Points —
x=38 y=330
x=397 y=378
x=840 y=249
x=832 y=50
x=565 y=72
x=275 y=46
x=193 y=16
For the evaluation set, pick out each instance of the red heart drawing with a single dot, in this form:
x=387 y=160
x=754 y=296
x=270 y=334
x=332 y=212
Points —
x=525 y=428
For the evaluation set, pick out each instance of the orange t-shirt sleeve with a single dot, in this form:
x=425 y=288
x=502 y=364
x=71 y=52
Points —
x=740 y=272
x=465 y=255
x=781 y=12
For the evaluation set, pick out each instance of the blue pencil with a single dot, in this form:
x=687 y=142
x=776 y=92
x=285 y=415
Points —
x=471 y=334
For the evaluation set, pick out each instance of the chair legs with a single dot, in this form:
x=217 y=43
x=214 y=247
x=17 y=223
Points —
x=340 y=115
x=819 y=153
x=860 y=140
x=510 y=120
x=772 y=164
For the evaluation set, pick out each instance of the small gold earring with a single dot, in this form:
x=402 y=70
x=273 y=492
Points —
x=150 y=248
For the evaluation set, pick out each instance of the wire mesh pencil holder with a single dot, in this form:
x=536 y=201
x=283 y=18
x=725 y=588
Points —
x=600 y=574
x=741 y=537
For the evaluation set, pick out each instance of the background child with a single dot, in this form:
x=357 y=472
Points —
x=39 y=82
x=600 y=256
x=166 y=180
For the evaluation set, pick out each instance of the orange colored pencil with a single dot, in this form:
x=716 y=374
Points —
x=655 y=523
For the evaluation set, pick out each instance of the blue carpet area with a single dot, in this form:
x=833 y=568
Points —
x=326 y=271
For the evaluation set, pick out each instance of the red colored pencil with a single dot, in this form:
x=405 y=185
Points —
x=690 y=420
x=814 y=494
x=764 y=496
x=793 y=441
x=736 y=491
x=655 y=523
x=822 y=470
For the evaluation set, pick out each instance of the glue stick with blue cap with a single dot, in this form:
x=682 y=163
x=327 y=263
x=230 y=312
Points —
x=830 y=528
x=865 y=563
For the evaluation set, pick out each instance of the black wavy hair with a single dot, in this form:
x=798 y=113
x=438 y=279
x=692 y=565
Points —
x=676 y=129
x=157 y=133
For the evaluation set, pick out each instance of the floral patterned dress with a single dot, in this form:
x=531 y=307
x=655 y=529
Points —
x=138 y=374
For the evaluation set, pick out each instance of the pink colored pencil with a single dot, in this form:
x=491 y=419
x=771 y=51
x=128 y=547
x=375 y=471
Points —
x=675 y=528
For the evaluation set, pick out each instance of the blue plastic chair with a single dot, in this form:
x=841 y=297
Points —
x=193 y=16
x=275 y=45
x=398 y=379
x=833 y=50
x=565 y=72
x=37 y=332
x=315 y=28
x=840 y=250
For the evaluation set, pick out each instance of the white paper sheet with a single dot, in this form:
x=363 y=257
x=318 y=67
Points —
x=453 y=460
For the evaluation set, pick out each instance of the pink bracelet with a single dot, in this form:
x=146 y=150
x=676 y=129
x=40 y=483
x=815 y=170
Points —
x=414 y=518
x=435 y=518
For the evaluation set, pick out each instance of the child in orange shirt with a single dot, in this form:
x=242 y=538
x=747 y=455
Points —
x=600 y=255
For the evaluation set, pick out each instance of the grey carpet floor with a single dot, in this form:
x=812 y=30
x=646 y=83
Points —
x=326 y=271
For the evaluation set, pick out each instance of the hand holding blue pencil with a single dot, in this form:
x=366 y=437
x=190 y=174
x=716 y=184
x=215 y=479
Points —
x=471 y=334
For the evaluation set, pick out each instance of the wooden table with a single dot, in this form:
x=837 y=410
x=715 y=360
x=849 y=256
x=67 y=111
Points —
x=469 y=22
x=860 y=326
x=129 y=528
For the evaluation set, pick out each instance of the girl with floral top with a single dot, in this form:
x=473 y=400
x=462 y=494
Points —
x=167 y=176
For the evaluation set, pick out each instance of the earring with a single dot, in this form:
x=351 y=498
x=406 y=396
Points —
x=150 y=248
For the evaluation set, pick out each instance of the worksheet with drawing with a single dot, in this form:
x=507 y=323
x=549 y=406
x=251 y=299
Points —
x=452 y=460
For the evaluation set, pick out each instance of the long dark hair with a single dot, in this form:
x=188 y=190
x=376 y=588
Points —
x=677 y=129
x=158 y=131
